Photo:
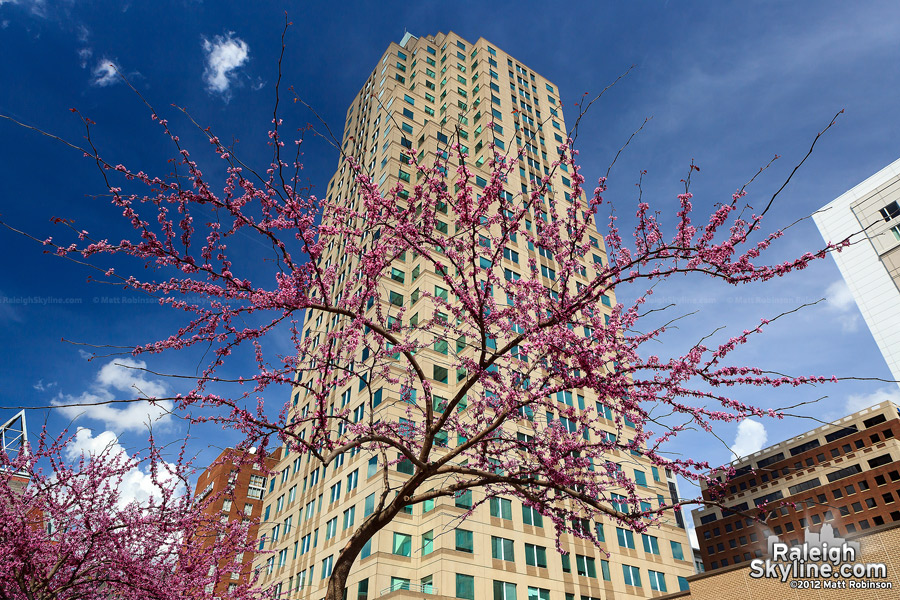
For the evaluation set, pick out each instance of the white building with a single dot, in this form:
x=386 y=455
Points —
x=869 y=214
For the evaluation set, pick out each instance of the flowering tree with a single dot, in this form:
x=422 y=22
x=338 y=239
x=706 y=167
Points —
x=500 y=377
x=67 y=531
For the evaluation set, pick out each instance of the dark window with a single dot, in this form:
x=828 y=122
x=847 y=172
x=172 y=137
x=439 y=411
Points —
x=845 y=472
x=879 y=460
x=770 y=460
x=844 y=432
x=891 y=211
x=804 y=447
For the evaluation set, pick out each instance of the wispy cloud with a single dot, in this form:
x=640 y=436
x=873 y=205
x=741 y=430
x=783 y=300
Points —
x=858 y=402
x=43 y=387
x=751 y=436
x=84 y=55
x=36 y=7
x=106 y=73
x=119 y=379
x=841 y=302
x=224 y=55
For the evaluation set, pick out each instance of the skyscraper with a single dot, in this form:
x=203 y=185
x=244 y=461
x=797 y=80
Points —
x=871 y=265
x=423 y=92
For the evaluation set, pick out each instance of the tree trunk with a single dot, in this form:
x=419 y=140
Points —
x=342 y=565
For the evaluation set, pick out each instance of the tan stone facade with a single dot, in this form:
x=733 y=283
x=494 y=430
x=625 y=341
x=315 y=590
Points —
x=422 y=93
x=881 y=545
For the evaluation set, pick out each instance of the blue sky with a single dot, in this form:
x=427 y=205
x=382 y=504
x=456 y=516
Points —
x=727 y=84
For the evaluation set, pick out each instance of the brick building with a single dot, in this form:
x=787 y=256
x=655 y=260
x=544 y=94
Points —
x=234 y=487
x=846 y=473
x=877 y=546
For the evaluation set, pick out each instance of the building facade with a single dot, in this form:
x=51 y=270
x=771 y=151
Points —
x=423 y=91
x=846 y=474
x=878 y=546
x=870 y=213
x=232 y=488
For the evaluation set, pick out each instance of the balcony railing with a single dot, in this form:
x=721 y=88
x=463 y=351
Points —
x=425 y=588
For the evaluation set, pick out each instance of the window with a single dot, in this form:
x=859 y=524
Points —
x=651 y=543
x=352 y=480
x=465 y=586
x=326 y=567
x=640 y=478
x=257 y=485
x=330 y=528
x=504 y=590
x=427 y=542
x=363 y=590
x=677 y=550
x=657 y=581
x=349 y=516
x=891 y=211
x=399 y=583
x=538 y=594
x=530 y=516
x=405 y=465
x=335 y=492
x=586 y=566
x=632 y=575
x=502 y=549
x=535 y=556
x=464 y=541
x=625 y=537
x=402 y=544
x=463 y=499
x=502 y=508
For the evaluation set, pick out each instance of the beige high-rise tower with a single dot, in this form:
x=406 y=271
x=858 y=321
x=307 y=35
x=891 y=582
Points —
x=422 y=91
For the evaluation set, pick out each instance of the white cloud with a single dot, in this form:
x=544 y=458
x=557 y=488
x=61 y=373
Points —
x=223 y=56
x=858 y=402
x=137 y=485
x=840 y=301
x=43 y=387
x=751 y=436
x=105 y=73
x=122 y=375
x=84 y=55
